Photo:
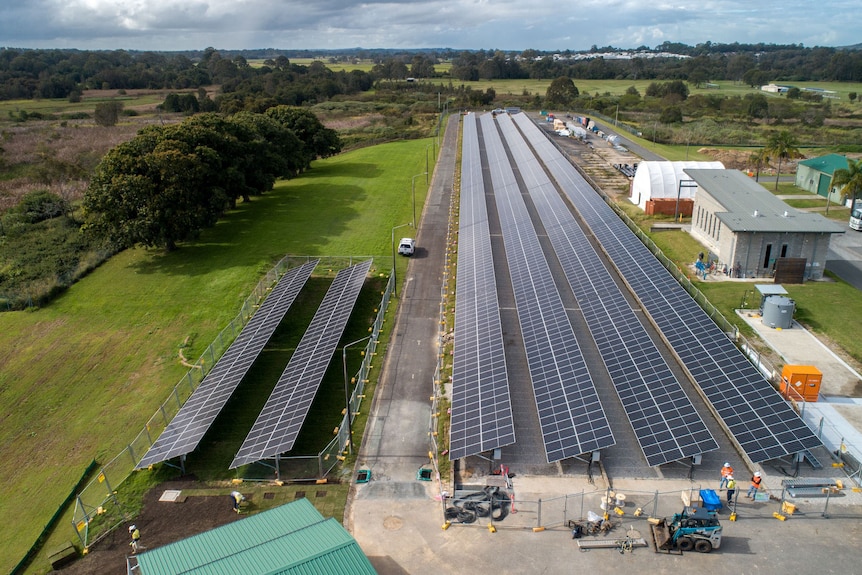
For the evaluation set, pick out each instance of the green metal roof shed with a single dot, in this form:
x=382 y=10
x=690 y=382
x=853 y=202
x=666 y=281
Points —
x=826 y=164
x=815 y=175
x=293 y=539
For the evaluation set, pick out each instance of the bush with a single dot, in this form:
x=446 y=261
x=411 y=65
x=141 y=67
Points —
x=41 y=205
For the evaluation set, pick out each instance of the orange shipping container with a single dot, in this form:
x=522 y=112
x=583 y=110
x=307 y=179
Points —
x=801 y=382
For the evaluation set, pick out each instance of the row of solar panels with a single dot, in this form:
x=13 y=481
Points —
x=755 y=415
x=279 y=422
x=572 y=420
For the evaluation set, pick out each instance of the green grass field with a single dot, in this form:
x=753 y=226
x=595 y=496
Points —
x=79 y=378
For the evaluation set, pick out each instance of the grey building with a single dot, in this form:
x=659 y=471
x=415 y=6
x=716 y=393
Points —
x=747 y=228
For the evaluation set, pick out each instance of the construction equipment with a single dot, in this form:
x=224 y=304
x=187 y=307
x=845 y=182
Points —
x=694 y=528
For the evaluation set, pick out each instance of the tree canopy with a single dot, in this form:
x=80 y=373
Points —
x=562 y=92
x=170 y=182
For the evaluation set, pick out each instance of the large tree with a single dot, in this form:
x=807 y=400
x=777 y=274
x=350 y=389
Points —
x=561 y=93
x=151 y=191
x=781 y=145
x=318 y=141
x=171 y=182
x=849 y=181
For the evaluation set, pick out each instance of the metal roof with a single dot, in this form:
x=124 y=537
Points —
x=752 y=208
x=292 y=539
x=826 y=164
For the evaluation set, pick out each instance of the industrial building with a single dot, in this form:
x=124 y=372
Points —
x=752 y=233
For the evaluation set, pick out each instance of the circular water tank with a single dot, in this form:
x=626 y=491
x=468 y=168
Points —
x=778 y=311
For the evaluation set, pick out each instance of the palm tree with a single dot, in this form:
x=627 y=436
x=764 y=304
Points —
x=849 y=181
x=781 y=145
x=759 y=159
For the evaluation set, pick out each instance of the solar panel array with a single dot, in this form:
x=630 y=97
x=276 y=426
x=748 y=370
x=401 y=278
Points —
x=758 y=418
x=481 y=418
x=277 y=427
x=571 y=416
x=665 y=421
x=188 y=427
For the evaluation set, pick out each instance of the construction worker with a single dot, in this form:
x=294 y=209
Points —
x=236 y=498
x=755 y=485
x=726 y=471
x=135 y=534
x=731 y=488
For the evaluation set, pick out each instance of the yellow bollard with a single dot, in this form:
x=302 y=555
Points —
x=538 y=529
x=446 y=525
x=779 y=516
x=491 y=528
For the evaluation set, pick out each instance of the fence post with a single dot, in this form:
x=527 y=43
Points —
x=539 y=513
x=825 y=513
x=655 y=505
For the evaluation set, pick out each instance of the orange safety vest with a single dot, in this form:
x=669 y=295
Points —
x=726 y=471
x=755 y=481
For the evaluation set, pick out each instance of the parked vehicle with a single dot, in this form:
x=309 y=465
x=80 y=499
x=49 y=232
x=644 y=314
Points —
x=696 y=529
x=856 y=216
x=407 y=246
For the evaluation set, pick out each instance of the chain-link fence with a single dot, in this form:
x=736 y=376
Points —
x=97 y=509
x=499 y=507
x=318 y=466
x=442 y=371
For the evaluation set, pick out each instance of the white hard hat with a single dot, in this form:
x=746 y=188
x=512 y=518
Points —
x=757 y=474
x=730 y=476
x=726 y=464
x=132 y=528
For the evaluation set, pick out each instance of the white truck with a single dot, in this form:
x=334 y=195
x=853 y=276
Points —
x=407 y=246
x=856 y=216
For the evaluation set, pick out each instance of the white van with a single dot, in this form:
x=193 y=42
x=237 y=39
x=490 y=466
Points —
x=407 y=246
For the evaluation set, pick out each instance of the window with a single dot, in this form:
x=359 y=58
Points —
x=767 y=255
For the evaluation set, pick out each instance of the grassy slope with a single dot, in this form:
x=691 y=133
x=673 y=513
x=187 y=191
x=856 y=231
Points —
x=79 y=378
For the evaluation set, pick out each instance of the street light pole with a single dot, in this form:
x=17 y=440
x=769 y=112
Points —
x=413 y=190
x=347 y=393
x=394 y=278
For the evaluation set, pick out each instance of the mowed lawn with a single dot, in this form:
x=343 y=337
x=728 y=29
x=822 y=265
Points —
x=80 y=378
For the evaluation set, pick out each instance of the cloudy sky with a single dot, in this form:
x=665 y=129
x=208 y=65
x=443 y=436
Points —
x=459 y=24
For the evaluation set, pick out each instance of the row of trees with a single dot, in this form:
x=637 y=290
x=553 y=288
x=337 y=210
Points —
x=28 y=74
x=170 y=182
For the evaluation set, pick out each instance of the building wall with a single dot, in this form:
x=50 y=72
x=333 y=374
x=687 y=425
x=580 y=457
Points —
x=747 y=251
x=807 y=178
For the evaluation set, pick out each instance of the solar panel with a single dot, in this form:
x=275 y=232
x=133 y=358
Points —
x=571 y=416
x=278 y=424
x=665 y=421
x=194 y=418
x=756 y=416
x=481 y=418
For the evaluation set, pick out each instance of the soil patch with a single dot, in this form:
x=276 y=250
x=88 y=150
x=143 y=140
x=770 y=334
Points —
x=160 y=523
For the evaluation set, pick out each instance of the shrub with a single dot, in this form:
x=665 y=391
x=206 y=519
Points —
x=41 y=205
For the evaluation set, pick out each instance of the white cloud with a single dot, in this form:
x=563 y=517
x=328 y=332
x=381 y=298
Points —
x=459 y=24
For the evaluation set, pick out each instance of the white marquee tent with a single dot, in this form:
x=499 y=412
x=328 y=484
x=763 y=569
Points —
x=661 y=180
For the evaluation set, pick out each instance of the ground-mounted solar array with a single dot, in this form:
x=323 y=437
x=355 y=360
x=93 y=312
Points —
x=571 y=416
x=197 y=414
x=755 y=415
x=481 y=418
x=666 y=423
x=278 y=425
